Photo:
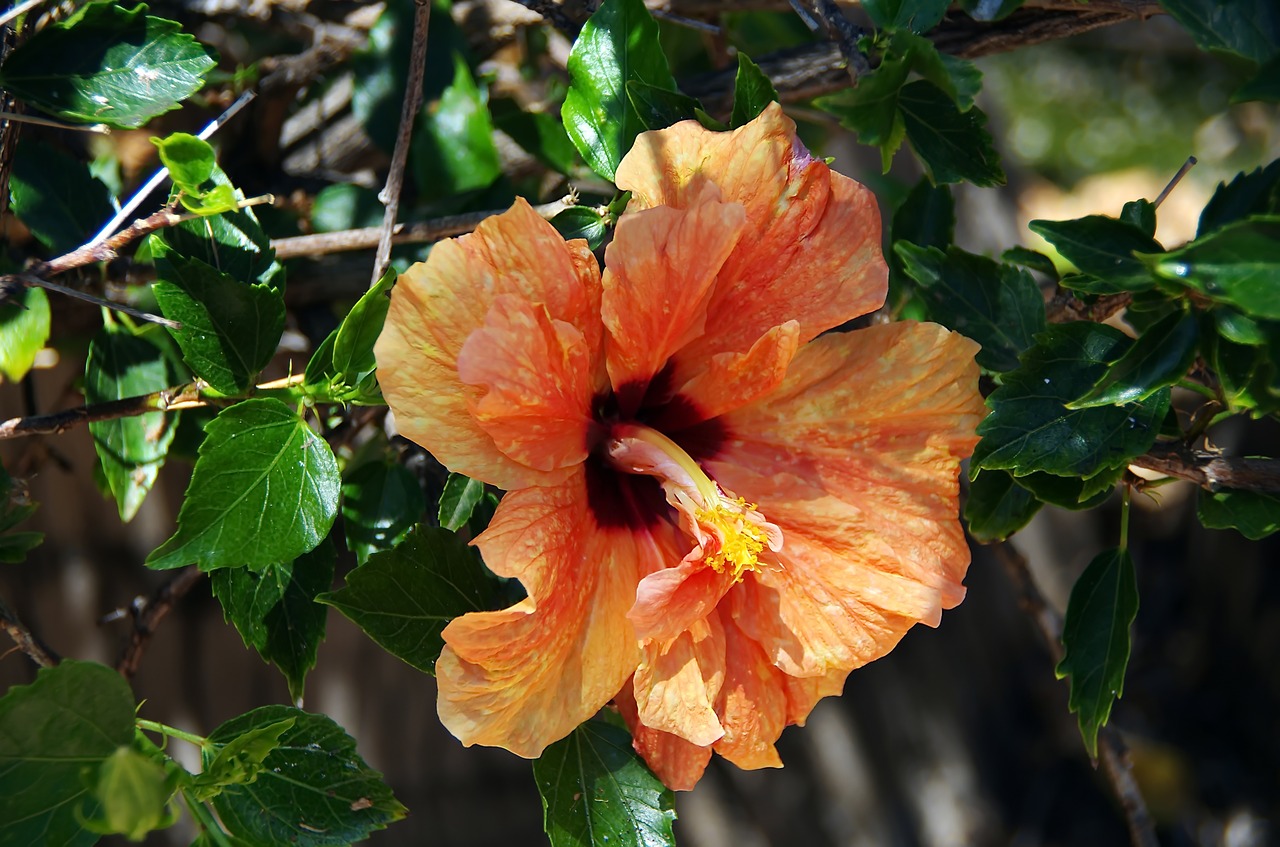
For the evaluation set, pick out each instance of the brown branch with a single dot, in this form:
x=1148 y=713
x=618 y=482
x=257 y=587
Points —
x=170 y=399
x=390 y=194
x=107 y=249
x=28 y=642
x=148 y=614
x=1212 y=471
x=557 y=16
x=1065 y=307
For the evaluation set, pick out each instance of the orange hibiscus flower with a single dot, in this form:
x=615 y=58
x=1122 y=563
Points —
x=716 y=513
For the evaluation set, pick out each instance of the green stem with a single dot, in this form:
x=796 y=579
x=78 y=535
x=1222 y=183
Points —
x=172 y=732
x=1124 y=518
x=204 y=820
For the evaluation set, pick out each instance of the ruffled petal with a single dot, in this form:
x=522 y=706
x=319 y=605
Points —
x=871 y=427
x=524 y=677
x=436 y=306
x=536 y=373
x=671 y=600
x=678 y=681
x=678 y=763
x=811 y=247
x=659 y=270
x=753 y=705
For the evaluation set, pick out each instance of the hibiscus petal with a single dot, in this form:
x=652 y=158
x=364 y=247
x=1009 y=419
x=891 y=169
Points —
x=871 y=427
x=678 y=763
x=659 y=270
x=678 y=681
x=524 y=677
x=811 y=247
x=436 y=305
x=537 y=376
x=671 y=600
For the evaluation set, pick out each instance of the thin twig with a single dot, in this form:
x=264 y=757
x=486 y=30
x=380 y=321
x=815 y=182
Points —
x=18 y=10
x=390 y=194
x=1173 y=183
x=29 y=280
x=148 y=614
x=168 y=400
x=28 y=642
x=16 y=117
x=554 y=15
x=1211 y=471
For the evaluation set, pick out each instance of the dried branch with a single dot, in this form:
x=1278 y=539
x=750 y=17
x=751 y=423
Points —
x=29 y=280
x=390 y=194
x=1212 y=471
x=28 y=642
x=1065 y=307
x=168 y=400
x=555 y=15
x=147 y=614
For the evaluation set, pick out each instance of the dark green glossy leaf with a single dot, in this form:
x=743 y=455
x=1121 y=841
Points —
x=1254 y=193
x=232 y=242
x=581 y=222
x=1249 y=28
x=752 y=91
x=958 y=78
x=403 y=598
x=1030 y=428
x=24 y=328
x=927 y=217
x=275 y=612
x=997 y=506
x=916 y=15
x=1245 y=373
x=353 y=345
x=1102 y=247
x=618 y=44
x=596 y=792
x=54 y=733
x=1142 y=214
x=999 y=306
x=953 y=145
x=990 y=10
x=313 y=790
x=458 y=500
x=229 y=329
x=1254 y=514
x=454 y=152
x=1158 y=359
x=132 y=450
x=190 y=160
x=107 y=64
x=1265 y=84
x=1237 y=264
x=134 y=791
x=264 y=491
x=1241 y=329
x=1031 y=260
x=659 y=108
x=381 y=501
x=871 y=109
x=1072 y=492
x=56 y=197
x=1095 y=635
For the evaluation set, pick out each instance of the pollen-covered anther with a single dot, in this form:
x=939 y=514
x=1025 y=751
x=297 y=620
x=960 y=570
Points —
x=737 y=535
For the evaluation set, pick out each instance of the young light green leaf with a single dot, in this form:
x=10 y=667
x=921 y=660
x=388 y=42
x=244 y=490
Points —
x=454 y=152
x=264 y=491
x=107 y=64
x=458 y=500
x=381 y=501
x=1254 y=514
x=353 y=345
x=239 y=761
x=1095 y=635
x=581 y=222
x=596 y=792
x=1238 y=264
x=752 y=92
x=618 y=44
x=74 y=716
x=953 y=145
x=999 y=306
x=1158 y=359
x=134 y=792
x=190 y=160
x=1253 y=193
x=24 y=328
x=403 y=598
x=1103 y=247
x=998 y=507
x=56 y=197
x=312 y=789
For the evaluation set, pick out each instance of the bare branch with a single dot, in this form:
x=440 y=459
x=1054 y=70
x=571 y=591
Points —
x=28 y=642
x=555 y=15
x=168 y=400
x=147 y=616
x=1212 y=471
x=29 y=280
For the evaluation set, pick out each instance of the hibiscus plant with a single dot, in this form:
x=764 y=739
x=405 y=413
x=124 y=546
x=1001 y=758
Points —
x=651 y=424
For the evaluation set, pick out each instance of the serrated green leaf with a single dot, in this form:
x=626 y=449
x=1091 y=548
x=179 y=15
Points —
x=926 y=218
x=659 y=108
x=275 y=612
x=916 y=15
x=134 y=792
x=353 y=345
x=229 y=330
x=1142 y=214
x=1071 y=492
x=313 y=790
x=596 y=792
x=1102 y=247
x=1249 y=28
x=953 y=145
x=458 y=500
x=54 y=733
x=1237 y=264
x=618 y=44
x=403 y=598
x=24 y=328
x=1254 y=193
x=1245 y=373
x=1095 y=635
x=264 y=491
x=57 y=197
x=381 y=501
x=752 y=91
x=581 y=222
x=107 y=64
x=454 y=150
x=132 y=450
x=999 y=306
x=997 y=506
x=958 y=78
x=1158 y=359
x=1254 y=514
x=1030 y=428
x=239 y=761
x=190 y=160
x=871 y=109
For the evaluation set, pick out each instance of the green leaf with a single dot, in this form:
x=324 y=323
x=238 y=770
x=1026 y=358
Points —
x=24 y=328
x=752 y=92
x=132 y=450
x=1142 y=214
x=1072 y=492
x=313 y=790
x=320 y=371
x=229 y=330
x=618 y=44
x=1102 y=247
x=353 y=345
x=1158 y=359
x=381 y=501
x=344 y=206
x=1249 y=28
x=1095 y=635
x=454 y=151
x=541 y=134
x=239 y=761
x=596 y=792
x=581 y=222
x=190 y=160
x=999 y=306
x=659 y=108
x=54 y=733
x=871 y=109
x=264 y=491
x=107 y=64
x=56 y=197
x=403 y=598
x=1254 y=514
x=134 y=792
x=15 y=507
x=458 y=500
x=1234 y=326
x=1245 y=372
x=1031 y=260
x=1265 y=84
x=953 y=145
x=997 y=506
x=1030 y=428
x=1253 y=193
x=275 y=612
x=916 y=15
x=1238 y=264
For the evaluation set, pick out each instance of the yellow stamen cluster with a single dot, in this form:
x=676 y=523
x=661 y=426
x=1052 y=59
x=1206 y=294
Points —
x=743 y=539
